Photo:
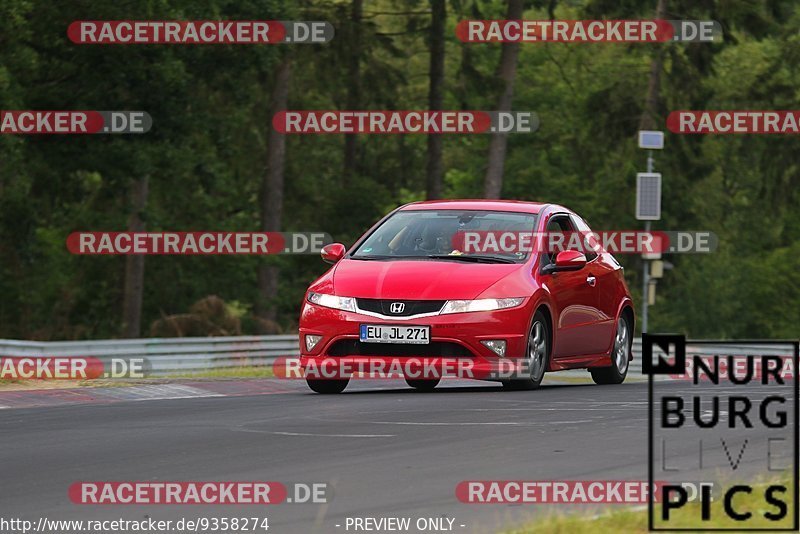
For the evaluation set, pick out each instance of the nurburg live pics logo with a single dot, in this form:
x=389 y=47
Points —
x=734 y=416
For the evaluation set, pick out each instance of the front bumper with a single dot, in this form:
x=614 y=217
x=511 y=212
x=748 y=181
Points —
x=453 y=336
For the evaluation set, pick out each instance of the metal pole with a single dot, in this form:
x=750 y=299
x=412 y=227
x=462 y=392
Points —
x=645 y=285
x=645 y=263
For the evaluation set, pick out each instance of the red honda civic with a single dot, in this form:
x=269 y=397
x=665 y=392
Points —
x=412 y=287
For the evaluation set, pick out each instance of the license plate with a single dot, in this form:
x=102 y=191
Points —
x=380 y=333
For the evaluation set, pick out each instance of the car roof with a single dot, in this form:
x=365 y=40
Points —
x=518 y=206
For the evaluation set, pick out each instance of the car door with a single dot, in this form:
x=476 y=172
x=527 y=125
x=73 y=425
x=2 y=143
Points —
x=604 y=272
x=574 y=296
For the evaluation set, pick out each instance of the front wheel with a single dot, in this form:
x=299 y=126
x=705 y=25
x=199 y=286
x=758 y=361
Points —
x=537 y=356
x=620 y=357
x=327 y=387
x=421 y=384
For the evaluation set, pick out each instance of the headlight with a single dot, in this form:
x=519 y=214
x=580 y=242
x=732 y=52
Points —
x=461 y=306
x=332 y=301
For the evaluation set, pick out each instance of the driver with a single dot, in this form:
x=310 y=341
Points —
x=436 y=238
x=427 y=242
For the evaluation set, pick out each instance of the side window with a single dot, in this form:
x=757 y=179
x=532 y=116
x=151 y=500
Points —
x=582 y=227
x=557 y=223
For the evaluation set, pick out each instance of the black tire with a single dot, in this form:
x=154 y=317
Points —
x=327 y=387
x=421 y=384
x=537 y=354
x=620 y=356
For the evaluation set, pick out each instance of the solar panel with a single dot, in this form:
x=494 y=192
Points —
x=651 y=139
x=648 y=196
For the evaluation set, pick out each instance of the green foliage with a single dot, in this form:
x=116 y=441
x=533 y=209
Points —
x=206 y=154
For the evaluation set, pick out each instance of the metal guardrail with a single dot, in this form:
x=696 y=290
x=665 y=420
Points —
x=776 y=348
x=168 y=355
x=176 y=355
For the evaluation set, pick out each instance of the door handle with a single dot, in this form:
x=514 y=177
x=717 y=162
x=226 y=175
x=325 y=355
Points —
x=591 y=280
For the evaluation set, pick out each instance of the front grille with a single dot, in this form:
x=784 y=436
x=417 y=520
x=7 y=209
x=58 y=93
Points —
x=410 y=307
x=354 y=347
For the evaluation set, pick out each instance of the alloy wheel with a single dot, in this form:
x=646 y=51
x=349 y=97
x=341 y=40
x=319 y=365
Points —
x=537 y=350
x=621 y=345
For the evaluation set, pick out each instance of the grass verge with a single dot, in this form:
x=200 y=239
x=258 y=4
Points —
x=7 y=384
x=688 y=517
x=227 y=372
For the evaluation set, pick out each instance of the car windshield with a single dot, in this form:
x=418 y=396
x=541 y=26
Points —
x=441 y=235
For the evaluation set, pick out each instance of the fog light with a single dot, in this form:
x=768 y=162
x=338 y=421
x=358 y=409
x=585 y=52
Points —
x=498 y=346
x=311 y=342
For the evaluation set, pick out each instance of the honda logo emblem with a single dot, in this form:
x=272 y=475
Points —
x=397 y=307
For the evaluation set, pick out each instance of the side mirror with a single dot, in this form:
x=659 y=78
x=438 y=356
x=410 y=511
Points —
x=332 y=253
x=566 y=260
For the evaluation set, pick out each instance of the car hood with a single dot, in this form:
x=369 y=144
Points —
x=417 y=279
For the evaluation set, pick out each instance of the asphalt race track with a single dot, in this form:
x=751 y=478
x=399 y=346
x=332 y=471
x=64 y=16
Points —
x=385 y=449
